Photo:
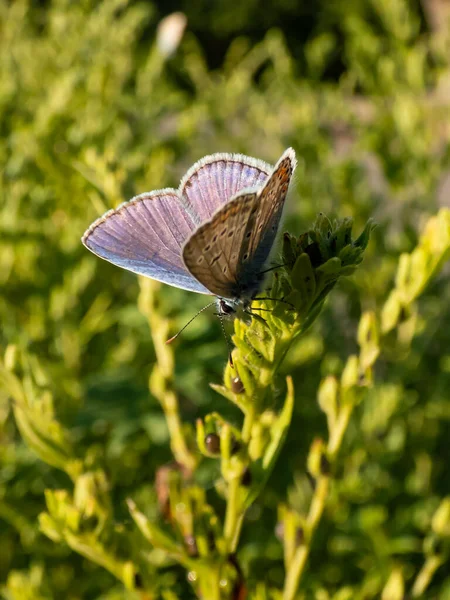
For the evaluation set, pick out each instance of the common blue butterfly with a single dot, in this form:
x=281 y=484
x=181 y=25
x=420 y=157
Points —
x=213 y=235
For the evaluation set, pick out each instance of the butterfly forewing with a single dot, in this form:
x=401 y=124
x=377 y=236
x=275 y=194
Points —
x=215 y=179
x=212 y=254
x=145 y=235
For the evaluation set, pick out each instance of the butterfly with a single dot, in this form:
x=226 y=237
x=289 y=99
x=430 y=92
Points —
x=213 y=235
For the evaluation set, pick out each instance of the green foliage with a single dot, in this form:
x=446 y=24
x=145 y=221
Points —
x=124 y=474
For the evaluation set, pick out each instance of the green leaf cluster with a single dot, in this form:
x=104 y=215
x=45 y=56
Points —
x=123 y=473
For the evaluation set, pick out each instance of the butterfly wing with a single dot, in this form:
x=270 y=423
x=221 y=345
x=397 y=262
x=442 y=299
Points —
x=262 y=230
x=145 y=236
x=214 y=180
x=212 y=253
x=228 y=252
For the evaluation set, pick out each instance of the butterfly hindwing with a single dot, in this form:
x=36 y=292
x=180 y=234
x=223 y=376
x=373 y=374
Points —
x=212 y=254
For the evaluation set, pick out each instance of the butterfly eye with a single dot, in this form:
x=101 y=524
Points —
x=231 y=233
x=223 y=232
x=207 y=248
x=245 y=256
x=199 y=260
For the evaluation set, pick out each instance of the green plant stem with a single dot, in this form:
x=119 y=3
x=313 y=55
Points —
x=297 y=566
x=239 y=500
x=96 y=553
x=169 y=401
x=236 y=506
x=248 y=424
x=161 y=379
x=339 y=429
x=209 y=583
x=234 y=515
x=425 y=575
x=178 y=444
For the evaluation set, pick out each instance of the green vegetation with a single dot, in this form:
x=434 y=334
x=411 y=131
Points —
x=317 y=466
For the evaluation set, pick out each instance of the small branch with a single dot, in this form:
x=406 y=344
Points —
x=339 y=429
x=162 y=376
x=425 y=575
x=234 y=515
x=297 y=566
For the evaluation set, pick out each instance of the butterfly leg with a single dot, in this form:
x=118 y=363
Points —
x=282 y=300
x=272 y=269
x=255 y=316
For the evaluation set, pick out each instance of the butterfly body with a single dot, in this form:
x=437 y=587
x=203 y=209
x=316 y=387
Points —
x=212 y=236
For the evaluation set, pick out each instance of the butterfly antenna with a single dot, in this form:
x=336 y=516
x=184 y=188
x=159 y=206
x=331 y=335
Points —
x=227 y=339
x=188 y=323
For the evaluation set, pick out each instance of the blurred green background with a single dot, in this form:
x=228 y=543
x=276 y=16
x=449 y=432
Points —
x=100 y=101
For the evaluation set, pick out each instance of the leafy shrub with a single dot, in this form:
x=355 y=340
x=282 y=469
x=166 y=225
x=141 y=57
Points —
x=95 y=107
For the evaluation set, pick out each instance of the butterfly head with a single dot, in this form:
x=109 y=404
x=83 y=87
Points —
x=227 y=308
x=232 y=308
